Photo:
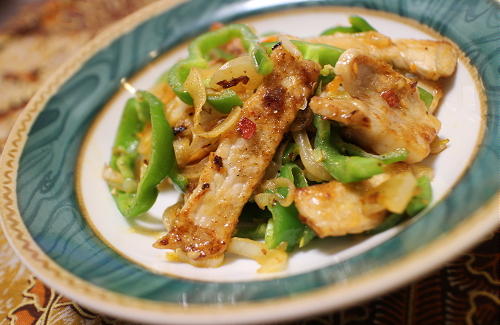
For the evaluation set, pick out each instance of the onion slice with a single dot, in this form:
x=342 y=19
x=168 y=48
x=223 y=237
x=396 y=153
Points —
x=313 y=168
x=236 y=68
x=270 y=260
x=287 y=45
x=228 y=122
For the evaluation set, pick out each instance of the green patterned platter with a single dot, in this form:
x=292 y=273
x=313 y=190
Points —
x=62 y=222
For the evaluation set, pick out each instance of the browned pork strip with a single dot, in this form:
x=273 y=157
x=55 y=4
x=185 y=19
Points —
x=381 y=109
x=429 y=59
x=336 y=209
x=202 y=228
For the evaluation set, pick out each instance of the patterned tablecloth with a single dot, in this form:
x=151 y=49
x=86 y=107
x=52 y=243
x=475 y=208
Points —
x=40 y=37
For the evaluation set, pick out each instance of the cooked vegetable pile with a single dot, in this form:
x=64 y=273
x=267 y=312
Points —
x=278 y=140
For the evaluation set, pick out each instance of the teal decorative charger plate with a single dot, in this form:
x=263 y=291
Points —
x=69 y=236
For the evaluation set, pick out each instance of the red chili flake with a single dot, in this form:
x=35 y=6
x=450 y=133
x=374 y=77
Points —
x=246 y=128
x=390 y=97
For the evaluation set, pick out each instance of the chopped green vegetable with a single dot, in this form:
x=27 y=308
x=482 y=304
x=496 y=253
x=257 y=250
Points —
x=321 y=53
x=285 y=225
x=422 y=199
x=345 y=169
x=419 y=202
x=255 y=231
x=224 y=101
x=139 y=112
x=199 y=53
x=218 y=53
x=425 y=96
x=360 y=24
x=339 y=29
x=399 y=154
x=290 y=154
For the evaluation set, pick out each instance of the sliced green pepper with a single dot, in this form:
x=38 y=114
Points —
x=320 y=53
x=224 y=101
x=425 y=96
x=218 y=54
x=358 y=25
x=326 y=75
x=398 y=154
x=252 y=222
x=419 y=202
x=199 y=51
x=139 y=112
x=306 y=237
x=293 y=173
x=290 y=154
x=345 y=169
x=422 y=199
x=339 y=29
x=285 y=225
x=255 y=231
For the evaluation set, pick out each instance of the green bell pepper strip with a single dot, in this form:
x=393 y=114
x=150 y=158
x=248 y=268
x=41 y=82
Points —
x=293 y=173
x=320 y=53
x=344 y=169
x=146 y=108
x=422 y=199
x=358 y=25
x=339 y=29
x=325 y=76
x=218 y=53
x=291 y=153
x=199 y=51
x=306 y=237
x=126 y=141
x=251 y=230
x=224 y=101
x=252 y=222
x=285 y=225
x=398 y=154
x=419 y=202
x=425 y=96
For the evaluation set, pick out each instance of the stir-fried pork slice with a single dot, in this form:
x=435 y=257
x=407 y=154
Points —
x=428 y=59
x=202 y=228
x=382 y=109
x=336 y=209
